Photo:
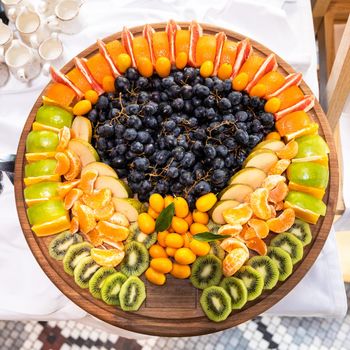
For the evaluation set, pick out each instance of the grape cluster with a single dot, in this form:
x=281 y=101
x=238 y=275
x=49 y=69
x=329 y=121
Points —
x=183 y=134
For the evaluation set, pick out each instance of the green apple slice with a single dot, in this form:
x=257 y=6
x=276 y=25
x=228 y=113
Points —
x=46 y=211
x=82 y=128
x=237 y=192
x=33 y=194
x=101 y=168
x=84 y=150
x=130 y=207
x=118 y=187
x=219 y=208
x=273 y=145
x=308 y=174
x=306 y=201
x=263 y=159
x=311 y=145
x=41 y=141
x=40 y=168
x=250 y=176
x=54 y=116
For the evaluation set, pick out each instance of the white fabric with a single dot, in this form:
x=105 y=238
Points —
x=285 y=27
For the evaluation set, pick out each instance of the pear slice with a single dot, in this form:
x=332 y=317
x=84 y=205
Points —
x=118 y=187
x=237 y=192
x=219 y=208
x=101 y=168
x=82 y=128
x=84 y=150
x=273 y=145
x=263 y=159
x=130 y=207
x=250 y=176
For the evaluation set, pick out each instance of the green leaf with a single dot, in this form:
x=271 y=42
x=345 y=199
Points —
x=164 y=219
x=209 y=237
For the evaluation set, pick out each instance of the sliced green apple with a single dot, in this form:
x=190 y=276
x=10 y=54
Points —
x=84 y=150
x=54 y=116
x=306 y=201
x=308 y=174
x=46 y=211
x=82 y=128
x=101 y=168
x=250 y=176
x=40 y=192
x=130 y=207
x=273 y=145
x=219 y=208
x=263 y=159
x=41 y=141
x=310 y=146
x=118 y=187
x=40 y=168
x=237 y=192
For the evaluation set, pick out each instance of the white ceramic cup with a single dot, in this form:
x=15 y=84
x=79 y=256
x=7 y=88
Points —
x=12 y=7
x=66 y=18
x=50 y=50
x=6 y=36
x=30 y=27
x=22 y=61
x=4 y=74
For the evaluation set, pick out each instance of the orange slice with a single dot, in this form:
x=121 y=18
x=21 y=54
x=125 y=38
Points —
x=115 y=48
x=314 y=191
x=293 y=122
x=251 y=66
x=94 y=238
x=86 y=218
x=87 y=181
x=278 y=193
x=39 y=126
x=113 y=232
x=283 y=222
x=105 y=212
x=280 y=167
x=72 y=196
x=97 y=199
x=311 y=129
x=304 y=214
x=107 y=257
x=230 y=229
x=98 y=67
x=79 y=80
x=75 y=165
x=33 y=157
x=258 y=245
x=260 y=227
x=259 y=203
x=182 y=41
x=36 y=179
x=290 y=97
x=140 y=48
x=272 y=81
x=238 y=215
x=160 y=44
x=228 y=53
x=289 y=151
x=50 y=228
x=74 y=225
x=234 y=261
x=206 y=49
x=66 y=186
x=60 y=93
x=63 y=163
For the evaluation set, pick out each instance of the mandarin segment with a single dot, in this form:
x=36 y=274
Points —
x=238 y=215
x=260 y=227
x=283 y=222
x=64 y=135
x=258 y=245
x=113 y=232
x=87 y=181
x=94 y=237
x=105 y=212
x=71 y=197
x=97 y=199
x=280 y=167
x=234 y=261
x=74 y=225
x=229 y=244
x=230 y=229
x=279 y=193
x=107 y=257
x=63 y=163
x=259 y=203
x=75 y=165
x=289 y=151
x=86 y=218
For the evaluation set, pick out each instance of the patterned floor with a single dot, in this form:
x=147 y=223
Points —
x=261 y=333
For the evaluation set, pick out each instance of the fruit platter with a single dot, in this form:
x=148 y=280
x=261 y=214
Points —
x=176 y=179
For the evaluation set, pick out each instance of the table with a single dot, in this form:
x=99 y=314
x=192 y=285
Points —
x=283 y=26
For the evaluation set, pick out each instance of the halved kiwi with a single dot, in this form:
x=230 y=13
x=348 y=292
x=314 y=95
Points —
x=136 y=260
x=74 y=253
x=236 y=290
x=267 y=268
x=216 y=303
x=84 y=271
x=253 y=281
x=59 y=245
x=206 y=271
x=216 y=250
x=98 y=279
x=132 y=294
x=138 y=236
x=301 y=230
x=282 y=260
x=111 y=288
x=290 y=244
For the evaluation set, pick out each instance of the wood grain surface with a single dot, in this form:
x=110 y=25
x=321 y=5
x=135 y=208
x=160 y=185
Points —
x=173 y=310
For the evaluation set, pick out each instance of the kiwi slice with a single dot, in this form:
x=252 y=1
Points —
x=290 y=244
x=236 y=290
x=84 y=271
x=59 y=245
x=136 y=259
x=111 y=287
x=267 y=268
x=216 y=250
x=253 y=281
x=216 y=303
x=132 y=294
x=213 y=227
x=301 y=230
x=206 y=271
x=74 y=253
x=138 y=236
x=98 y=279
x=282 y=260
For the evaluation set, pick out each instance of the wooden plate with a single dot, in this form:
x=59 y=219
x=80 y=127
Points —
x=173 y=310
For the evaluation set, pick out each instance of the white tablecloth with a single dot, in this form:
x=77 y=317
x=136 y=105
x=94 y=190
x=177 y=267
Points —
x=284 y=27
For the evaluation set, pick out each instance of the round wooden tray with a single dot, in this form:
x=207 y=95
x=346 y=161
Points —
x=173 y=310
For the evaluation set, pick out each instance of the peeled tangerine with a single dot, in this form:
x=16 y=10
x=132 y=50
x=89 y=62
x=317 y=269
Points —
x=283 y=222
x=234 y=261
x=239 y=214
